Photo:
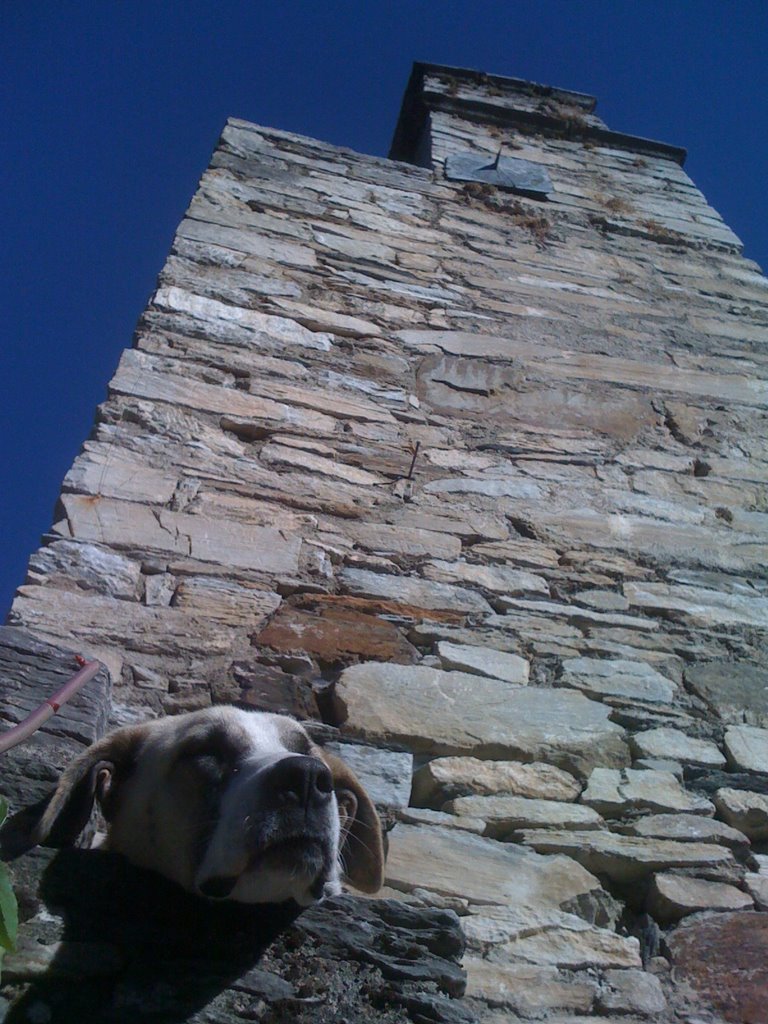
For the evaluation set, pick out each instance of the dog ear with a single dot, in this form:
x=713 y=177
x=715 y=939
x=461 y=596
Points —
x=95 y=775
x=361 y=842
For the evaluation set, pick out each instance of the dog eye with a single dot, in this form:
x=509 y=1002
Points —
x=212 y=746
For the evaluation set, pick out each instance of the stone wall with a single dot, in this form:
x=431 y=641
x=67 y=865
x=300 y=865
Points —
x=477 y=483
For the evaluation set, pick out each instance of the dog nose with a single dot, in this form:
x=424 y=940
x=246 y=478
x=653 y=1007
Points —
x=300 y=780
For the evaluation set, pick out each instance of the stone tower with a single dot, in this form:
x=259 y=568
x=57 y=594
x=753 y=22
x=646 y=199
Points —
x=460 y=455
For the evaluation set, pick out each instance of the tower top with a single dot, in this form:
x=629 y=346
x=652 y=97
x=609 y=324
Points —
x=512 y=102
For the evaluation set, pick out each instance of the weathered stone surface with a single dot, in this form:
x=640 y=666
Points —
x=385 y=774
x=672 y=743
x=437 y=859
x=227 y=601
x=130 y=526
x=756 y=884
x=496 y=578
x=419 y=593
x=625 y=858
x=401 y=540
x=674 y=896
x=525 y=989
x=506 y=814
x=614 y=793
x=635 y=680
x=723 y=958
x=746 y=811
x=445 y=778
x=89 y=567
x=747 y=748
x=427 y=816
x=333 y=633
x=437 y=712
x=631 y=991
x=698 y=606
x=265 y=688
x=738 y=692
x=484 y=661
x=688 y=828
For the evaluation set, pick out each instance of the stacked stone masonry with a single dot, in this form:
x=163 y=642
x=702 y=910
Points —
x=477 y=483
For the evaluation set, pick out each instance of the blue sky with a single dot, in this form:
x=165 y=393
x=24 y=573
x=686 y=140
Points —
x=109 y=111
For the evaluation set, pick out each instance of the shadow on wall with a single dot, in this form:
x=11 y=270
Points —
x=136 y=947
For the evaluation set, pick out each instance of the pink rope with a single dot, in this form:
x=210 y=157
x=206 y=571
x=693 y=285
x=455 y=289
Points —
x=18 y=733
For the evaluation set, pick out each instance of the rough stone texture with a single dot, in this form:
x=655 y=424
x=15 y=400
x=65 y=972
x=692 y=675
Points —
x=631 y=991
x=373 y=415
x=437 y=860
x=609 y=678
x=723 y=959
x=506 y=814
x=484 y=661
x=688 y=827
x=614 y=793
x=437 y=712
x=747 y=748
x=444 y=778
x=674 y=896
x=746 y=811
x=625 y=858
x=737 y=692
x=674 y=744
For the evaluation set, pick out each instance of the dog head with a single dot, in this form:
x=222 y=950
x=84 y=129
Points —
x=230 y=804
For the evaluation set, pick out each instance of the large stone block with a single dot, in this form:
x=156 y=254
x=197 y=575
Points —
x=430 y=711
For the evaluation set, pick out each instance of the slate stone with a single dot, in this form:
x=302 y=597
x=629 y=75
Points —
x=484 y=661
x=625 y=858
x=631 y=991
x=504 y=815
x=608 y=677
x=615 y=792
x=437 y=859
x=744 y=810
x=747 y=748
x=736 y=691
x=672 y=743
x=672 y=897
x=260 y=687
x=444 y=778
x=427 y=710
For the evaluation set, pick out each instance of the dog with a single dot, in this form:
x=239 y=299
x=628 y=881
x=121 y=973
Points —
x=230 y=804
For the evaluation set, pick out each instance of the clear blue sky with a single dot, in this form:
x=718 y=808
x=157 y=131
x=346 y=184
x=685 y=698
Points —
x=110 y=109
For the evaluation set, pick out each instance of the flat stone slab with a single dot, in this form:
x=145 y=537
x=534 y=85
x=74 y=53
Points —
x=631 y=991
x=635 y=680
x=413 y=591
x=455 y=863
x=506 y=814
x=625 y=858
x=546 y=936
x=527 y=989
x=674 y=896
x=427 y=710
x=688 y=828
x=747 y=747
x=499 y=579
x=737 y=691
x=615 y=792
x=445 y=778
x=484 y=661
x=722 y=957
x=672 y=743
x=744 y=810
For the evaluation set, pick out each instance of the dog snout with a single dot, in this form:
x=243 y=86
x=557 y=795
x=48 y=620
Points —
x=299 y=780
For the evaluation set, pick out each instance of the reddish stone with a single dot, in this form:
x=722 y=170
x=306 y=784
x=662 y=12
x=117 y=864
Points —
x=379 y=606
x=334 y=632
x=725 y=959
